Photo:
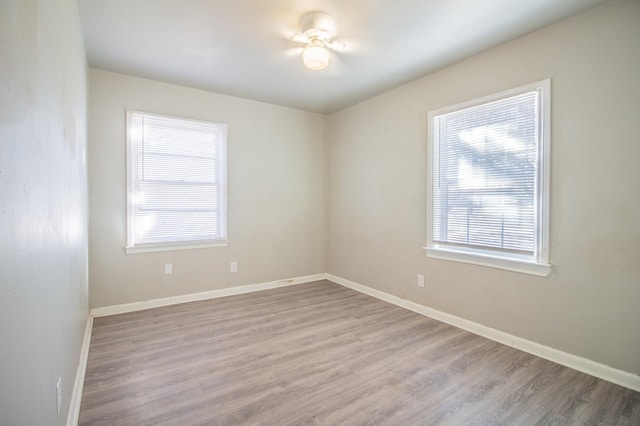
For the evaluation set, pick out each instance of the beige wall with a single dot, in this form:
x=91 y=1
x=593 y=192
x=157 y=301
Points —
x=590 y=304
x=276 y=193
x=43 y=214
x=363 y=172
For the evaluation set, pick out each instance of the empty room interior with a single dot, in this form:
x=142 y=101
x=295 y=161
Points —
x=322 y=212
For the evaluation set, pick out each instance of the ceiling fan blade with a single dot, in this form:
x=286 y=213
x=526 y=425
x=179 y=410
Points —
x=337 y=45
x=292 y=52
x=299 y=38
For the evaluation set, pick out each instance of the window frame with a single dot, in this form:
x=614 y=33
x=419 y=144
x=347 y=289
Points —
x=131 y=247
x=538 y=264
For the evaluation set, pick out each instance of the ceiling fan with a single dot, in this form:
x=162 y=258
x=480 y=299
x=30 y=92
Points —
x=317 y=32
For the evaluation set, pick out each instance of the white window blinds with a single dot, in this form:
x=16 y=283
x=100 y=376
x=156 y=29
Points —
x=485 y=181
x=177 y=180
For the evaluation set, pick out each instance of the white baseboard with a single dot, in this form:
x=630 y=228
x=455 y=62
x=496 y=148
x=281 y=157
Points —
x=593 y=368
x=194 y=297
x=76 y=394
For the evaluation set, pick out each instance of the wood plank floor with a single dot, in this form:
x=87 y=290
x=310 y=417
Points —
x=321 y=354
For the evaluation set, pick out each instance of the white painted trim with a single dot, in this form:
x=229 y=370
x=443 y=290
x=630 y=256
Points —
x=220 y=144
x=150 y=248
x=76 y=394
x=541 y=270
x=193 y=297
x=593 y=368
x=538 y=263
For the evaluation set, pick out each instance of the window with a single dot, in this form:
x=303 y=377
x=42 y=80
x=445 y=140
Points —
x=488 y=189
x=176 y=183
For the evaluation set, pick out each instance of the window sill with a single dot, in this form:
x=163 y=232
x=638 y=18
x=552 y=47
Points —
x=538 y=269
x=148 y=248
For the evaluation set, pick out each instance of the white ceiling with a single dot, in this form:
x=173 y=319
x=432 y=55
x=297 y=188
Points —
x=244 y=47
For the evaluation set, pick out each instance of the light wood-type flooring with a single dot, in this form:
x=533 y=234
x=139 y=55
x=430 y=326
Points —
x=322 y=354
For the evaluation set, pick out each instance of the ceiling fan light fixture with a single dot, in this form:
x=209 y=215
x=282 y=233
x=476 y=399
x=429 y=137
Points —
x=318 y=29
x=315 y=56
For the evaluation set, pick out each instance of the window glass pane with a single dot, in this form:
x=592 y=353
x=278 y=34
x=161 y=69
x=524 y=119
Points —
x=153 y=196
x=485 y=175
x=177 y=168
x=177 y=179
x=157 y=226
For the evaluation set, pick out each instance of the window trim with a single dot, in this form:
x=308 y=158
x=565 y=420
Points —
x=540 y=265
x=130 y=247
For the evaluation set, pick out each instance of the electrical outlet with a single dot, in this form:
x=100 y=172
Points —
x=59 y=394
x=420 y=280
x=168 y=269
x=233 y=266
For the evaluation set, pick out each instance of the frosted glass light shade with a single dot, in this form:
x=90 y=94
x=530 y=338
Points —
x=315 y=57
